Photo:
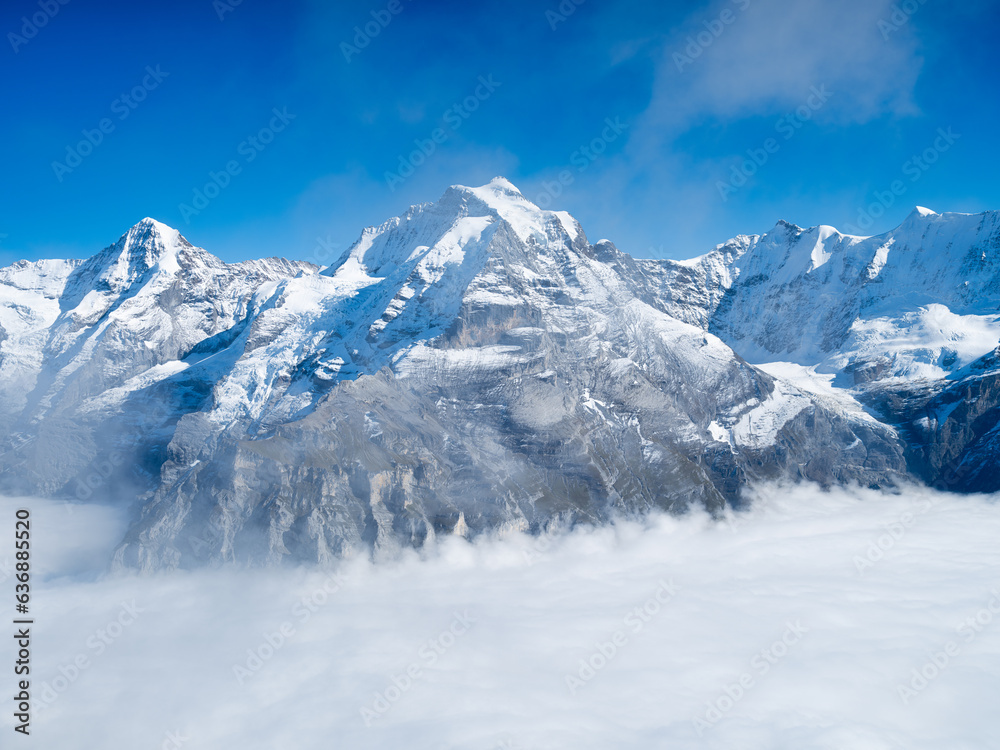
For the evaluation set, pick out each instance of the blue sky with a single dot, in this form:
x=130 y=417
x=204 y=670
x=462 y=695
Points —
x=642 y=119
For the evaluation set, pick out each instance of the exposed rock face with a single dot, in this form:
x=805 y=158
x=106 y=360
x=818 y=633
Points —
x=951 y=427
x=475 y=364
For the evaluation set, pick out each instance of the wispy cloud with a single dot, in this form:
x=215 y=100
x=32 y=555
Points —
x=757 y=57
x=733 y=68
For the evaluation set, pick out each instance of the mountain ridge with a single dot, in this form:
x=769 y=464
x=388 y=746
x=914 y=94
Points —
x=477 y=358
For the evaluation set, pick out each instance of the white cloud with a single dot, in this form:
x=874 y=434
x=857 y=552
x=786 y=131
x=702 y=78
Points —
x=787 y=572
x=767 y=58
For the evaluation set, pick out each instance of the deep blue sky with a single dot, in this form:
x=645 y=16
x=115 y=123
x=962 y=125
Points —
x=654 y=190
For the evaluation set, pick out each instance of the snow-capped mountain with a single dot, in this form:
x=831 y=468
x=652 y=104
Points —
x=477 y=364
x=919 y=302
x=94 y=353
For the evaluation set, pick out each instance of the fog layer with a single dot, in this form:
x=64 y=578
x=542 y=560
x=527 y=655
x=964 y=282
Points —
x=818 y=619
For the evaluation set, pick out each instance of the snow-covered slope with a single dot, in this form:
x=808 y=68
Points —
x=920 y=301
x=94 y=353
x=473 y=364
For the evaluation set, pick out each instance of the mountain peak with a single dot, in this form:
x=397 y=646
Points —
x=527 y=219
x=786 y=226
x=498 y=192
x=921 y=212
x=149 y=221
x=498 y=185
x=149 y=230
x=502 y=184
x=147 y=244
x=431 y=236
x=917 y=219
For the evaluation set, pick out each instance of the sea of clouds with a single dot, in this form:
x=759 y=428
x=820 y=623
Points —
x=842 y=619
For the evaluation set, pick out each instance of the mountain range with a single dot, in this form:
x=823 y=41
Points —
x=478 y=365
